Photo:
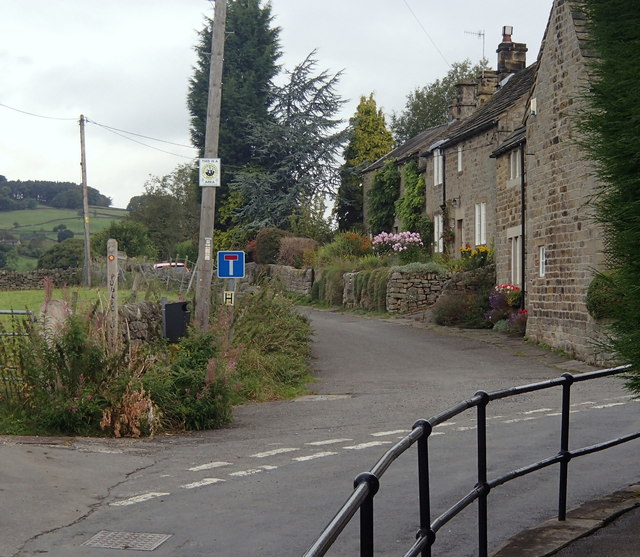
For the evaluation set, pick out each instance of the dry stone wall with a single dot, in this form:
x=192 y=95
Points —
x=407 y=292
x=33 y=280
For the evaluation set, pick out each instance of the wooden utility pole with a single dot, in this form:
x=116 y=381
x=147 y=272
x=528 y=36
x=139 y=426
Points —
x=208 y=207
x=85 y=206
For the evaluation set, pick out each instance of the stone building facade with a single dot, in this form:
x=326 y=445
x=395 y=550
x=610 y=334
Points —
x=509 y=173
x=563 y=245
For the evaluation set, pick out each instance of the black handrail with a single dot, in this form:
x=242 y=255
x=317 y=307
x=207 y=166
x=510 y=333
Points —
x=366 y=485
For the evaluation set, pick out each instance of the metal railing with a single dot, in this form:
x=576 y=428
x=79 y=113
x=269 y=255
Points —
x=366 y=485
x=13 y=312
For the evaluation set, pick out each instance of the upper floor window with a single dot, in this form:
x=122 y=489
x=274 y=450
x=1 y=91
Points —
x=459 y=158
x=514 y=164
x=438 y=167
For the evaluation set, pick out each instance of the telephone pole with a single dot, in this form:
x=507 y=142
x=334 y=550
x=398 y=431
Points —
x=208 y=206
x=85 y=206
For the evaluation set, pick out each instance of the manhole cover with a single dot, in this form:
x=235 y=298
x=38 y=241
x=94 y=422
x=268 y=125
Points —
x=127 y=540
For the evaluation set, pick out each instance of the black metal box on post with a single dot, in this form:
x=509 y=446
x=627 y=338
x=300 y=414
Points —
x=175 y=319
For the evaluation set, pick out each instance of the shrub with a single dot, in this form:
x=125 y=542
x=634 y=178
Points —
x=473 y=258
x=274 y=344
x=370 y=289
x=603 y=296
x=268 y=244
x=461 y=309
x=518 y=321
x=191 y=386
x=294 y=251
x=346 y=245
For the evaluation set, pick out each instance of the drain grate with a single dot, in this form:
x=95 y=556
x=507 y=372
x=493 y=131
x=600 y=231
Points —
x=127 y=540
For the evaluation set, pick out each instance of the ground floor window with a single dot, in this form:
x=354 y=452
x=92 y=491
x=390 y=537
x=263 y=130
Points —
x=438 y=242
x=481 y=224
x=516 y=260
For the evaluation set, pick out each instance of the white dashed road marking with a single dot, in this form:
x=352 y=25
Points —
x=313 y=456
x=209 y=466
x=274 y=452
x=138 y=499
x=367 y=445
x=203 y=482
x=384 y=433
x=243 y=473
x=328 y=442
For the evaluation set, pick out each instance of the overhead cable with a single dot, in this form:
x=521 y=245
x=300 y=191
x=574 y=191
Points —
x=426 y=33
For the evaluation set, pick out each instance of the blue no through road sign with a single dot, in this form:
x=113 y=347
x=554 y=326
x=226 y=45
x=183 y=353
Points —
x=230 y=264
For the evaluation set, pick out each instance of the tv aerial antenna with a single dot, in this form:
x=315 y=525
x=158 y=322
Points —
x=481 y=35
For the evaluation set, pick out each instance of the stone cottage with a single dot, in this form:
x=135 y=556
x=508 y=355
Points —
x=546 y=237
x=507 y=171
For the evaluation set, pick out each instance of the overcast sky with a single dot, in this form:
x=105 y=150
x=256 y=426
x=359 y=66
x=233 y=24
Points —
x=126 y=64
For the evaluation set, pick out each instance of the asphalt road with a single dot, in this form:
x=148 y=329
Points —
x=269 y=483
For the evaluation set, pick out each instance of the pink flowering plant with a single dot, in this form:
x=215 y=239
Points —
x=504 y=314
x=406 y=244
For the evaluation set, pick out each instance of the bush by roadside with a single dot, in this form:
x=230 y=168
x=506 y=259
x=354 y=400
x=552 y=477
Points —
x=72 y=382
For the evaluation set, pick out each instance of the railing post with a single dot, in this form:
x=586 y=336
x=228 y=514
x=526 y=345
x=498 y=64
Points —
x=564 y=447
x=366 y=513
x=424 y=490
x=482 y=474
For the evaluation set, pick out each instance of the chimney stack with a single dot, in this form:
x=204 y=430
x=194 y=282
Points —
x=465 y=102
x=512 y=57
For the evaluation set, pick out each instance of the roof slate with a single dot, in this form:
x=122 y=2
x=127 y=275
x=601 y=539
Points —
x=411 y=147
x=488 y=115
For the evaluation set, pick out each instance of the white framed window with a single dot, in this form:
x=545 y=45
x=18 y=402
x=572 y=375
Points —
x=438 y=167
x=514 y=164
x=481 y=224
x=516 y=260
x=438 y=229
x=459 y=158
x=542 y=255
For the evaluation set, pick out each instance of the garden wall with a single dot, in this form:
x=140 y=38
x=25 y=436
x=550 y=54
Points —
x=32 y=280
x=407 y=292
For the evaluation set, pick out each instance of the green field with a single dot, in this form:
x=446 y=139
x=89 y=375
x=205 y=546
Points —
x=40 y=222
x=43 y=220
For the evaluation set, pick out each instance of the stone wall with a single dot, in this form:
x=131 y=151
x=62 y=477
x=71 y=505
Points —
x=297 y=281
x=559 y=186
x=407 y=292
x=33 y=280
x=141 y=321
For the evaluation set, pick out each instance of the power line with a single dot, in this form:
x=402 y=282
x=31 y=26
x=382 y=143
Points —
x=426 y=33
x=111 y=128
x=36 y=115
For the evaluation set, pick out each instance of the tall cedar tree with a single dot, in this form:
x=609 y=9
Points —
x=369 y=139
x=613 y=140
x=295 y=150
x=428 y=106
x=251 y=52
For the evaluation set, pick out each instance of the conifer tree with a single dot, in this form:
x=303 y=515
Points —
x=251 y=52
x=369 y=139
x=613 y=140
x=294 y=156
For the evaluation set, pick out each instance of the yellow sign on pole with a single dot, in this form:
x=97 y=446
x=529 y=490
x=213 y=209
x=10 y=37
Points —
x=229 y=297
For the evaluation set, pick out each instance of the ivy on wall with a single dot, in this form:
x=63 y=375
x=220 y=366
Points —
x=410 y=208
